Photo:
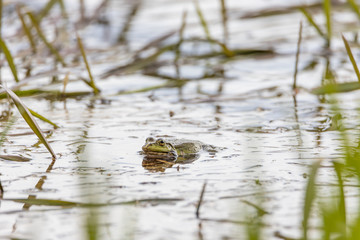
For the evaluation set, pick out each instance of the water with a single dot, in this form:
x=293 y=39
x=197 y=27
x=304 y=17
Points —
x=269 y=139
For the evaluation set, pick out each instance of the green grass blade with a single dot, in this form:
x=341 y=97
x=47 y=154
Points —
x=336 y=88
x=26 y=29
x=297 y=55
x=224 y=18
x=351 y=57
x=46 y=9
x=63 y=9
x=341 y=205
x=354 y=7
x=312 y=22
x=63 y=203
x=138 y=63
x=83 y=54
x=178 y=45
x=355 y=229
x=1 y=13
x=235 y=52
x=1 y=10
x=122 y=38
x=27 y=93
x=43 y=38
x=14 y=158
x=227 y=52
x=202 y=20
x=329 y=76
x=37 y=115
x=204 y=25
x=66 y=81
x=25 y=113
x=309 y=197
x=44 y=202
x=327 y=11
x=168 y=84
x=9 y=59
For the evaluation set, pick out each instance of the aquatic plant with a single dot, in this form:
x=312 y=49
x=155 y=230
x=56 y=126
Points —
x=333 y=87
x=25 y=113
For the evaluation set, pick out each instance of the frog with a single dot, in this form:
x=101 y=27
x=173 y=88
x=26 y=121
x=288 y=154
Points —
x=172 y=149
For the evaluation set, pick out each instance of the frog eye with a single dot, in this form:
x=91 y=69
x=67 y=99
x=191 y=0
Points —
x=150 y=139
x=161 y=142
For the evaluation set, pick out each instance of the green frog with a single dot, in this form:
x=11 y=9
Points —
x=171 y=149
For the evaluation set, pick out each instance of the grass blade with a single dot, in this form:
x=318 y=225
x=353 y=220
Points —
x=329 y=76
x=227 y=52
x=1 y=187
x=1 y=10
x=202 y=20
x=46 y=9
x=351 y=57
x=354 y=7
x=122 y=38
x=204 y=24
x=178 y=46
x=66 y=81
x=327 y=11
x=15 y=158
x=341 y=205
x=138 y=63
x=224 y=21
x=309 y=197
x=168 y=84
x=43 y=38
x=9 y=59
x=154 y=43
x=63 y=9
x=312 y=22
x=197 y=213
x=25 y=113
x=26 y=29
x=37 y=115
x=297 y=55
x=82 y=10
x=63 y=203
x=336 y=88
x=92 y=82
x=45 y=202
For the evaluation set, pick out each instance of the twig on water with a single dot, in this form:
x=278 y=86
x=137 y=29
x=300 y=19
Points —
x=200 y=200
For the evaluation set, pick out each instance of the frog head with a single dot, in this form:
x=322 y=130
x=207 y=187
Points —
x=158 y=147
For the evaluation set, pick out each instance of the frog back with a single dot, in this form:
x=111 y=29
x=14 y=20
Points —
x=184 y=146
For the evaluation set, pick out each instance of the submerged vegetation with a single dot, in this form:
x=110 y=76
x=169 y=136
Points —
x=50 y=41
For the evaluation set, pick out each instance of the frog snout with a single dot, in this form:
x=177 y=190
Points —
x=144 y=148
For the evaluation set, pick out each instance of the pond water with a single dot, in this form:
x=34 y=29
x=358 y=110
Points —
x=268 y=137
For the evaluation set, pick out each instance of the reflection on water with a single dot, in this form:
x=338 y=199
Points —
x=159 y=164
